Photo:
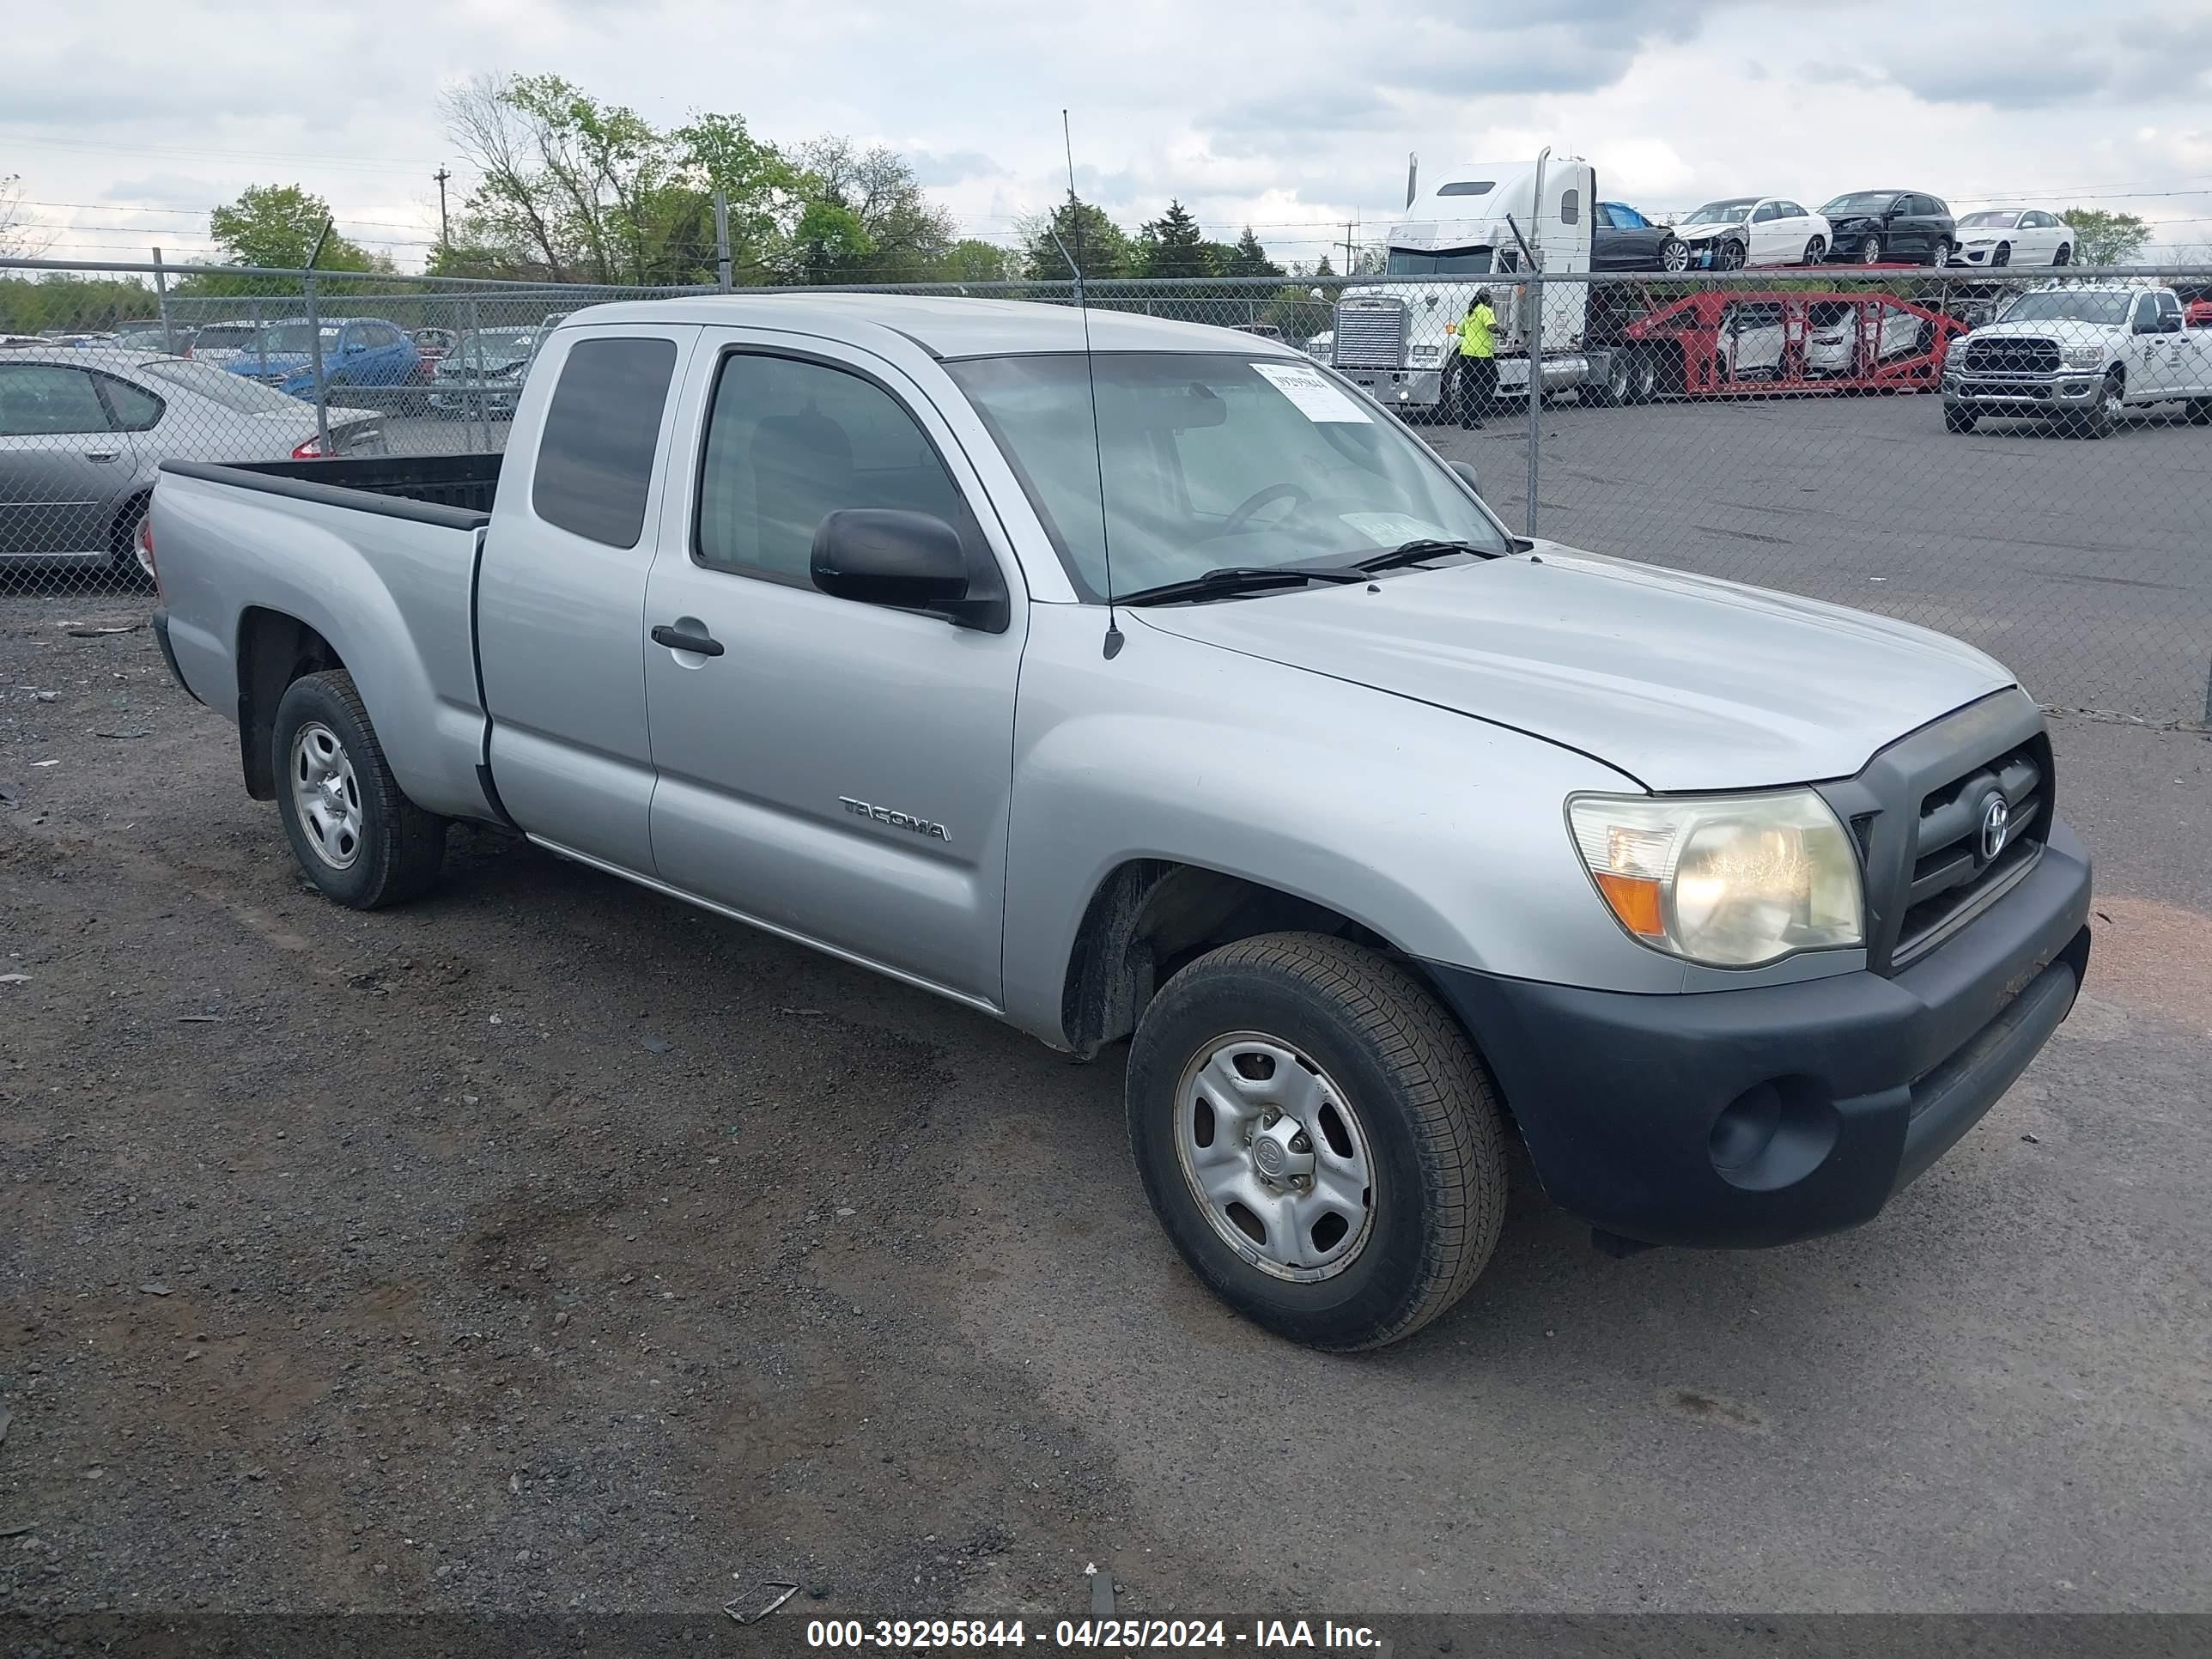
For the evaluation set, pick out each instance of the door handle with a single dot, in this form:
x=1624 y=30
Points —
x=677 y=640
x=101 y=455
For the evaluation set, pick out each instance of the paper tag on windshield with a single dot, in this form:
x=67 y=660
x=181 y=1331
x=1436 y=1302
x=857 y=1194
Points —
x=1317 y=400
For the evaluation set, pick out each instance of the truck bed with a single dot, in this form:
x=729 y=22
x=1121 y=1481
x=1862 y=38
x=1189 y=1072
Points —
x=462 y=485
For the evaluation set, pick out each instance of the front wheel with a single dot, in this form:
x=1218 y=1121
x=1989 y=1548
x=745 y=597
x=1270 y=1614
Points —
x=1730 y=256
x=358 y=838
x=1870 y=251
x=1318 y=1137
x=2003 y=254
x=2099 y=421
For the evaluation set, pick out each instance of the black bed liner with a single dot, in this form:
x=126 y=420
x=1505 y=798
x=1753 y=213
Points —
x=454 y=491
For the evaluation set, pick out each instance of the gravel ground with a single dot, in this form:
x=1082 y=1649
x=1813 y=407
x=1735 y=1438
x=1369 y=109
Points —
x=548 y=1245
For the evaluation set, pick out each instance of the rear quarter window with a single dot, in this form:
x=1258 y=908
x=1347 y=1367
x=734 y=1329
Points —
x=602 y=433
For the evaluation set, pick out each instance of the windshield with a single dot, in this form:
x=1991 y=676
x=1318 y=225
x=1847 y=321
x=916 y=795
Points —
x=496 y=345
x=1867 y=201
x=1446 y=262
x=1212 y=461
x=300 y=337
x=231 y=391
x=2108 y=309
x=1990 y=221
x=1720 y=213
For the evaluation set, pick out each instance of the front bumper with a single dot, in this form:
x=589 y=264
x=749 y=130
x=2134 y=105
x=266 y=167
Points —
x=1413 y=388
x=2023 y=394
x=1737 y=1119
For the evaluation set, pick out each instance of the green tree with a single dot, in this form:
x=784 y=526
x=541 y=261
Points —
x=1249 y=258
x=1094 y=241
x=908 y=235
x=1173 y=246
x=1322 y=268
x=277 y=225
x=830 y=245
x=971 y=260
x=2106 y=239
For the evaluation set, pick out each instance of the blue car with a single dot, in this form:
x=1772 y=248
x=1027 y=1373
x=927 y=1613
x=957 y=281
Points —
x=359 y=352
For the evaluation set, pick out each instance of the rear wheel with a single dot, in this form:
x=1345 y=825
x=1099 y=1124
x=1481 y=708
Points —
x=1644 y=386
x=358 y=838
x=1816 y=250
x=2064 y=256
x=1318 y=1139
x=1956 y=419
x=126 y=553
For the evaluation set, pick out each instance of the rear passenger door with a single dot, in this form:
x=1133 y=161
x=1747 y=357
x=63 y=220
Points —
x=560 y=591
x=839 y=772
x=63 y=467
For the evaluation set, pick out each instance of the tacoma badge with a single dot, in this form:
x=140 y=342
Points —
x=896 y=820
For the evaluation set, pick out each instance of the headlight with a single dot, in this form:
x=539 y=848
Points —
x=2082 y=356
x=1732 y=881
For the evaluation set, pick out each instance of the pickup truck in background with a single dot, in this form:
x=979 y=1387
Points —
x=1373 y=829
x=2083 y=357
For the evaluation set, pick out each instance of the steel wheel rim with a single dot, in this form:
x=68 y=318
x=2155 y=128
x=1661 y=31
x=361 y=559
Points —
x=325 y=795
x=1275 y=1157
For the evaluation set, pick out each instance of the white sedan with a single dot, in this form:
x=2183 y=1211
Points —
x=1758 y=230
x=2014 y=236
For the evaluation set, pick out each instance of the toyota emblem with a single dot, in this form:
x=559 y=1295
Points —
x=1997 y=823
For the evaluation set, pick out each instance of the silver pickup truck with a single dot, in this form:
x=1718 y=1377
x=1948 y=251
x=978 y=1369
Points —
x=1379 y=832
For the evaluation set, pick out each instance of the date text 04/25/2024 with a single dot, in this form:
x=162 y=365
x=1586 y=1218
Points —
x=1263 y=1635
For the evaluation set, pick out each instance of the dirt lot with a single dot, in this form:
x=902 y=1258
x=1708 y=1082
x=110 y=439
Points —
x=548 y=1245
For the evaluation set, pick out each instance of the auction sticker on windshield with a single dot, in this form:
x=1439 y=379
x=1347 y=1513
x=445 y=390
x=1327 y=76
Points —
x=1317 y=400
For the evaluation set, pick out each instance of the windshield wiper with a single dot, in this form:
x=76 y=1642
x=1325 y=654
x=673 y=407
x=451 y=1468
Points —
x=1232 y=580
x=1423 y=548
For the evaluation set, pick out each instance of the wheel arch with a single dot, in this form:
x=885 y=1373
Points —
x=273 y=650
x=1147 y=917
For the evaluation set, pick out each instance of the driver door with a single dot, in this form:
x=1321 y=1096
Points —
x=834 y=771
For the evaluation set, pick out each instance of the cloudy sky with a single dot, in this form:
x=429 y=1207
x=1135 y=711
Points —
x=127 y=119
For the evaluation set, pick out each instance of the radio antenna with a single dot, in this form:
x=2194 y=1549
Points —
x=1114 y=639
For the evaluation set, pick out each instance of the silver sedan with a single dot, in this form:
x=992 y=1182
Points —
x=84 y=431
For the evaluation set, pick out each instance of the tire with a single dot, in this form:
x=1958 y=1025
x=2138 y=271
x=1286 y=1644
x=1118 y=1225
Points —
x=1387 y=1094
x=2098 y=422
x=1870 y=249
x=1673 y=255
x=1730 y=256
x=1618 y=385
x=2200 y=411
x=360 y=841
x=2064 y=256
x=1956 y=419
x=2003 y=254
x=1816 y=250
x=1644 y=379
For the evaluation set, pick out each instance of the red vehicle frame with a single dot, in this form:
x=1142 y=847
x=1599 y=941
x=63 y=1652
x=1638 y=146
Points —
x=1691 y=338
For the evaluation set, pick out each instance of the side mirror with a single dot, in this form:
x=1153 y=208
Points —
x=1467 y=474
x=907 y=561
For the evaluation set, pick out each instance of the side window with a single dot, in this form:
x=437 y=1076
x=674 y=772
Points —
x=2169 y=313
x=1791 y=210
x=789 y=442
x=602 y=433
x=1570 y=207
x=2145 y=313
x=135 y=408
x=1629 y=219
x=40 y=399
x=1766 y=210
x=1603 y=216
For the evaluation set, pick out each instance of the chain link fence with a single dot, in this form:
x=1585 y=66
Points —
x=2020 y=457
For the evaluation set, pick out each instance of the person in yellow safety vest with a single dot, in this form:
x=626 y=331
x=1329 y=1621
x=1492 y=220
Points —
x=1476 y=374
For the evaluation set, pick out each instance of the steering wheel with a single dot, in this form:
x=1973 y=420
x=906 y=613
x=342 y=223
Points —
x=1259 y=498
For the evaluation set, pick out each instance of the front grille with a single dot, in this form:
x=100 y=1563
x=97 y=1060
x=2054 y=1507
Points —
x=1950 y=876
x=2014 y=356
x=1370 y=333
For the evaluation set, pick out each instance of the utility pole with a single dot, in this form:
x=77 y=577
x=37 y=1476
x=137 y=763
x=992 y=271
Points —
x=445 y=234
x=721 y=240
x=1351 y=264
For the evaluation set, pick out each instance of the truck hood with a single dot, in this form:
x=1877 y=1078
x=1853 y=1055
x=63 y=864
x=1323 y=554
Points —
x=1682 y=682
x=2048 y=328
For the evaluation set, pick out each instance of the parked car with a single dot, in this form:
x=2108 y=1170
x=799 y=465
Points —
x=83 y=431
x=1760 y=230
x=1621 y=238
x=219 y=343
x=2083 y=357
x=1871 y=227
x=2014 y=236
x=792 y=608
x=361 y=352
x=482 y=375
x=1843 y=338
x=435 y=342
x=2197 y=314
